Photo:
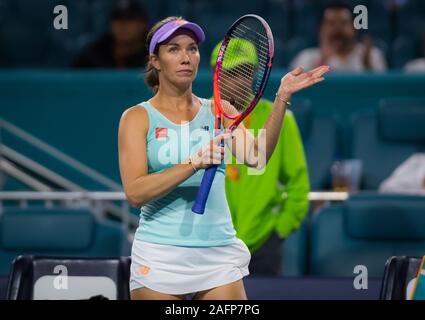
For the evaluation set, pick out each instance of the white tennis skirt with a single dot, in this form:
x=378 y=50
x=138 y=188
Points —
x=186 y=270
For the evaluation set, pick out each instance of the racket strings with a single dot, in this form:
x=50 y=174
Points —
x=244 y=66
x=240 y=91
x=259 y=37
x=256 y=27
x=243 y=74
x=238 y=34
x=261 y=51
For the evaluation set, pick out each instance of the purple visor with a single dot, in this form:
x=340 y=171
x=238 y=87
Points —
x=169 y=28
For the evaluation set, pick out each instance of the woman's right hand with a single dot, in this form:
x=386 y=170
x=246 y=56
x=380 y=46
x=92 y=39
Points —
x=212 y=153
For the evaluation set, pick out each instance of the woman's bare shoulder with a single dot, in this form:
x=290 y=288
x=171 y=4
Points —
x=135 y=116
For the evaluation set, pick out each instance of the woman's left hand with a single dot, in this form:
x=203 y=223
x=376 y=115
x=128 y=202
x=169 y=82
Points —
x=297 y=80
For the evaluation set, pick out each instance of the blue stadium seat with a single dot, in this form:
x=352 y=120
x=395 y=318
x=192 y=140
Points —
x=411 y=17
x=4 y=10
x=382 y=45
x=175 y=8
x=403 y=50
x=98 y=16
x=385 y=139
x=33 y=11
x=54 y=231
x=306 y=16
x=154 y=10
x=24 y=32
x=378 y=19
x=237 y=7
x=295 y=252
x=320 y=138
x=19 y=46
x=277 y=14
x=367 y=230
x=65 y=45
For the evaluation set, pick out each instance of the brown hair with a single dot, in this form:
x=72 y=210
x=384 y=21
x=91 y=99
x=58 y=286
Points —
x=151 y=74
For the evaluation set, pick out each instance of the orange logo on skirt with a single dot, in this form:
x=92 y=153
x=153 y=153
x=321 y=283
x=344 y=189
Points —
x=144 y=270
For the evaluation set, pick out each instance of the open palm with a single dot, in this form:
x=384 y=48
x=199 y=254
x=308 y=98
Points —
x=297 y=79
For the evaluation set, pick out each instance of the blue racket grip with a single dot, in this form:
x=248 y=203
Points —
x=204 y=190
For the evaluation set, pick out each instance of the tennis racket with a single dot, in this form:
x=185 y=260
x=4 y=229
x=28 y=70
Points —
x=240 y=77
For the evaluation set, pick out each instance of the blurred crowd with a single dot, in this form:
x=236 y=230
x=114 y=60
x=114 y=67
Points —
x=307 y=33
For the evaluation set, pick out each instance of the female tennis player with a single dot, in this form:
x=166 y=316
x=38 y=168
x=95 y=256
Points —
x=165 y=145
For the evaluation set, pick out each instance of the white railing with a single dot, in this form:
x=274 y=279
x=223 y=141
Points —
x=120 y=196
x=9 y=156
x=13 y=171
x=57 y=154
x=40 y=169
x=328 y=196
x=61 y=195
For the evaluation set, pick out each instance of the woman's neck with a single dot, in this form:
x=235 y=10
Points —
x=172 y=97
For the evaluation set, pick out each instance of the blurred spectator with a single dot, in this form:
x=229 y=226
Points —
x=409 y=177
x=124 y=46
x=417 y=65
x=338 y=45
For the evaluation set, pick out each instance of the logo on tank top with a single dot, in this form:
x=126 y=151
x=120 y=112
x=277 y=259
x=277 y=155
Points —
x=161 y=133
x=206 y=128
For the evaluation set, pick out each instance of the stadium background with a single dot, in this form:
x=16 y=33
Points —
x=58 y=132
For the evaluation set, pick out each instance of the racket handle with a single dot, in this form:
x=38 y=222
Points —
x=204 y=190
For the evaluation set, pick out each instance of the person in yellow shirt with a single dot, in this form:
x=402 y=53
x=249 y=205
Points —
x=281 y=192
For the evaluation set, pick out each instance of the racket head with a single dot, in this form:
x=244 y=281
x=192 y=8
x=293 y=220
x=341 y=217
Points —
x=242 y=67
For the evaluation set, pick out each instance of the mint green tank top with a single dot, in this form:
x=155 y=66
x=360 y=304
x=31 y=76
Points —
x=170 y=220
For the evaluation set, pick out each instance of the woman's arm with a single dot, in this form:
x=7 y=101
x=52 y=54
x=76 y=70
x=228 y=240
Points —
x=141 y=187
x=257 y=151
